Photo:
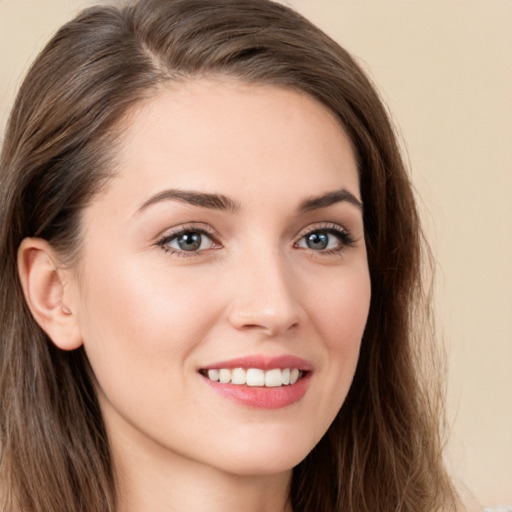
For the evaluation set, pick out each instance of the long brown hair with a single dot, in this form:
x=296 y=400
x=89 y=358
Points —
x=383 y=451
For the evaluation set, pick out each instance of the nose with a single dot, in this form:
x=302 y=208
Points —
x=264 y=296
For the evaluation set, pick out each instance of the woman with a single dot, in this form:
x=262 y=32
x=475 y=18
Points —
x=211 y=285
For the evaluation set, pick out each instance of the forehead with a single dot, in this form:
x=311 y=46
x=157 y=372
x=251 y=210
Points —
x=230 y=137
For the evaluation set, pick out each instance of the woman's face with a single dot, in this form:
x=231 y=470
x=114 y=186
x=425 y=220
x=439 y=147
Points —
x=230 y=245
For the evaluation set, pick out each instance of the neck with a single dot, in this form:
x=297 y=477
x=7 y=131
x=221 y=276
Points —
x=155 y=480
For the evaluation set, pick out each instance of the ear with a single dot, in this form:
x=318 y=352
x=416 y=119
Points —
x=47 y=293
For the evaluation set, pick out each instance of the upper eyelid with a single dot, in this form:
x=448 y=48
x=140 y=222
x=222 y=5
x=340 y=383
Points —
x=318 y=226
x=183 y=228
x=200 y=226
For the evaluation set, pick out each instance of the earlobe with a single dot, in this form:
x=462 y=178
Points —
x=47 y=294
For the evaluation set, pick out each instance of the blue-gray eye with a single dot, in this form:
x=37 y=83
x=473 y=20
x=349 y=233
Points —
x=321 y=240
x=189 y=241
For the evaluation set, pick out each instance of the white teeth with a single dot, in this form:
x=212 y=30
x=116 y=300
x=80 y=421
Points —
x=273 y=378
x=213 y=375
x=255 y=376
x=224 y=376
x=238 y=376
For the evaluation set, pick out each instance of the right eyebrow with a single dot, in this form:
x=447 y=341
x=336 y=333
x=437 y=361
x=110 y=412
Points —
x=202 y=199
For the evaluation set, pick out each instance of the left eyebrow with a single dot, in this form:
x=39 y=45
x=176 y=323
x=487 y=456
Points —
x=328 y=199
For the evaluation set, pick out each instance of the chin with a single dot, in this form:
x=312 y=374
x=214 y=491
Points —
x=263 y=466
x=274 y=455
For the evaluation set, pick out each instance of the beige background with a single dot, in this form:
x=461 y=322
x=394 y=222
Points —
x=445 y=69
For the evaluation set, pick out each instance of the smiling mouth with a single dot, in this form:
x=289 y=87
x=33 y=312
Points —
x=255 y=377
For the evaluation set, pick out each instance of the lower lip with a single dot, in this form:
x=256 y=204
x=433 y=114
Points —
x=262 y=397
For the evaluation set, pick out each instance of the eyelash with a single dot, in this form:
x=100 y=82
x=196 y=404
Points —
x=345 y=238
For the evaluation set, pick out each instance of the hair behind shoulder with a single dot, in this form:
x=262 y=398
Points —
x=383 y=451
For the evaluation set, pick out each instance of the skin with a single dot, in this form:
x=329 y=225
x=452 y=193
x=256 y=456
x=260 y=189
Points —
x=151 y=315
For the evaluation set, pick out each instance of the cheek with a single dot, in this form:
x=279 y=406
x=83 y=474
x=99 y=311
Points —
x=340 y=311
x=339 y=315
x=137 y=319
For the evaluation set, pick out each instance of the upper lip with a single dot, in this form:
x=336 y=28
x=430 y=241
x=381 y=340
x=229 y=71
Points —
x=263 y=362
